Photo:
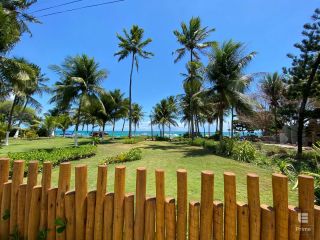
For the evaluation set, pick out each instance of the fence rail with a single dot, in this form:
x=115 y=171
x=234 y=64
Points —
x=29 y=211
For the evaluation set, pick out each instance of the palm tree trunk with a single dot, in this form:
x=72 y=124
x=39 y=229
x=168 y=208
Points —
x=163 y=130
x=151 y=129
x=113 y=123
x=221 y=125
x=232 y=118
x=77 y=123
x=10 y=120
x=16 y=135
x=124 y=121
x=130 y=96
x=209 y=129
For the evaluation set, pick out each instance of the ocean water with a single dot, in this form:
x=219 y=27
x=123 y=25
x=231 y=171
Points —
x=137 y=133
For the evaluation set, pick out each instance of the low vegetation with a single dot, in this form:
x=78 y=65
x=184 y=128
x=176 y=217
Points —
x=133 y=154
x=56 y=155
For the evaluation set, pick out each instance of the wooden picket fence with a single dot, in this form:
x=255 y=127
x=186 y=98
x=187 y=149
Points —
x=29 y=211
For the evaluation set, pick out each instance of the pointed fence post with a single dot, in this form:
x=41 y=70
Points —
x=46 y=185
x=150 y=217
x=52 y=199
x=254 y=206
x=108 y=216
x=160 y=195
x=267 y=223
x=218 y=220
x=128 y=216
x=141 y=185
x=34 y=213
x=170 y=218
x=70 y=201
x=230 y=206
x=194 y=220
x=182 y=205
x=242 y=221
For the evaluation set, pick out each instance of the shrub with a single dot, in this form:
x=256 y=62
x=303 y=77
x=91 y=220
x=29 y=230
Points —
x=226 y=147
x=56 y=155
x=244 y=151
x=30 y=134
x=211 y=145
x=133 y=154
x=197 y=142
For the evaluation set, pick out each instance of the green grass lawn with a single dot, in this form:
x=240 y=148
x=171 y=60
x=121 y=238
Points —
x=164 y=155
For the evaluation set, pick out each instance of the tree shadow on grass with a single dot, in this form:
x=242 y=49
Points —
x=186 y=150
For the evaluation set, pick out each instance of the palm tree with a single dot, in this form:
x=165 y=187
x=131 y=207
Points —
x=225 y=74
x=36 y=87
x=80 y=83
x=192 y=38
x=137 y=115
x=19 y=75
x=192 y=87
x=165 y=114
x=273 y=88
x=133 y=44
x=63 y=122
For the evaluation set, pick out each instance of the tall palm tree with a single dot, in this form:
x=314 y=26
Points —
x=19 y=75
x=192 y=38
x=137 y=115
x=80 y=82
x=192 y=87
x=225 y=74
x=273 y=87
x=132 y=43
x=36 y=87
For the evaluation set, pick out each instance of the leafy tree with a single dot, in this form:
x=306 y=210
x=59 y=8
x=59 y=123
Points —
x=273 y=88
x=303 y=75
x=63 y=122
x=225 y=74
x=18 y=76
x=137 y=115
x=132 y=43
x=193 y=39
x=80 y=83
x=165 y=113
x=49 y=124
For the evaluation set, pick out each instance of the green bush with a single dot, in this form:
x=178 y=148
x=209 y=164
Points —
x=211 y=145
x=197 y=142
x=31 y=135
x=133 y=154
x=244 y=151
x=226 y=146
x=56 y=155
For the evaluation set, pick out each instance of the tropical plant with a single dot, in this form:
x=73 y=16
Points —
x=228 y=82
x=80 y=83
x=18 y=75
x=137 y=116
x=273 y=86
x=63 y=122
x=192 y=37
x=49 y=123
x=132 y=43
x=165 y=114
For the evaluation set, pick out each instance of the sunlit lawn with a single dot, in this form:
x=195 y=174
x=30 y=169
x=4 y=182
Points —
x=168 y=156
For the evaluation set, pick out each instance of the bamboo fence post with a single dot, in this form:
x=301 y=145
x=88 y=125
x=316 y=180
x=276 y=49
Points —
x=128 y=216
x=242 y=221
x=267 y=223
x=81 y=188
x=317 y=222
x=5 y=211
x=306 y=206
x=254 y=206
x=280 y=205
x=46 y=185
x=160 y=195
x=170 y=218
x=182 y=204
x=17 y=179
x=119 y=192
x=34 y=213
x=217 y=220
x=194 y=220
x=294 y=224
x=91 y=202
x=4 y=174
x=108 y=216
x=230 y=206
x=70 y=201
x=52 y=198
x=31 y=182
x=141 y=185
x=101 y=191
x=206 y=205
x=21 y=209
x=63 y=187
x=150 y=215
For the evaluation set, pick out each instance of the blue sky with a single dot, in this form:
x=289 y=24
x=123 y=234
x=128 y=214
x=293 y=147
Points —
x=268 y=27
